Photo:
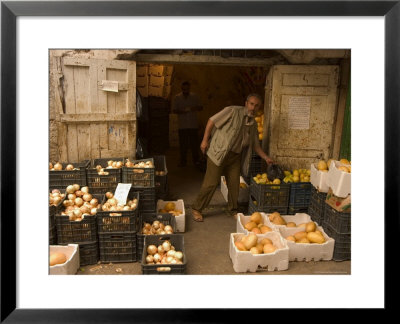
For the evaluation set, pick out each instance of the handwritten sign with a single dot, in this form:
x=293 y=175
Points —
x=299 y=112
x=110 y=85
x=121 y=193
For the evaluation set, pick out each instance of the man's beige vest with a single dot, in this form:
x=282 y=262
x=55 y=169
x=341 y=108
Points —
x=223 y=138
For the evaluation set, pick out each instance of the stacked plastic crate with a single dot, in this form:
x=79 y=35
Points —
x=161 y=177
x=319 y=190
x=102 y=176
x=117 y=232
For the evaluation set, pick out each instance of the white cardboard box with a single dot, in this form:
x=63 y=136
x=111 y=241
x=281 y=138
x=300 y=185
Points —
x=308 y=251
x=72 y=264
x=298 y=218
x=243 y=192
x=319 y=179
x=339 y=181
x=179 y=205
x=244 y=261
x=243 y=220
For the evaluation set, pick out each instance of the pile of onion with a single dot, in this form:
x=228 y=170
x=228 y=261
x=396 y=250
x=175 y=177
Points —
x=114 y=164
x=156 y=228
x=55 y=197
x=80 y=203
x=58 y=167
x=112 y=204
x=165 y=253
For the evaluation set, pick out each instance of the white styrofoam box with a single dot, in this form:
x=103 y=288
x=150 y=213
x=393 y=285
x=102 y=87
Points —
x=339 y=181
x=243 y=192
x=243 y=220
x=308 y=251
x=72 y=264
x=318 y=179
x=179 y=205
x=298 y=218
x=244 y=261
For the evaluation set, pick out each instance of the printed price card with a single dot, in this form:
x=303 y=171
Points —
x=121 y=193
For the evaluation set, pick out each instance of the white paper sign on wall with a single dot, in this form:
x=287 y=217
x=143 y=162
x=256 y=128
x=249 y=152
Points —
x=110 y=85
x=299 y=112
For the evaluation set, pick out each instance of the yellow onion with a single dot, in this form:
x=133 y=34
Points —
x=109 y=195
x=77 y=213
x=160 y=249
x=157 y=257
x=69 y=167
x=85 y=189
x=149 y=259
x=84 y=209
x=94 y=202
x=178 y=255
x=76 y=186
x=79 y=193
x=79 y=202
x=93 y=211
x=152 y=249
x=51 y=166
x=168 y=228
x=166 y=246
x=70 y=189
x=71 y=196
x=87 y=197
x=58 y=166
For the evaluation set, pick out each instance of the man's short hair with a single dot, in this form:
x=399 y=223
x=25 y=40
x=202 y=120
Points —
x=185 y=83
x=254 y=95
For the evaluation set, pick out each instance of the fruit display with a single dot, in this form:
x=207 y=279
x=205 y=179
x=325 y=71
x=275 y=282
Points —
x=170 y=207
x=260 y=124
x=58 y=167
x=345 y=165
x=55 y=197
x=298 y=175
x=263 y=179
x=256 y=224
x=111 y=204
x=164 y=253
x=250 y=243
x=309 y=235
x=79 y=203
x=276 y=218
x=156 y=228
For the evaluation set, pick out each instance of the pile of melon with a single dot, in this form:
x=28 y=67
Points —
x=250 y=243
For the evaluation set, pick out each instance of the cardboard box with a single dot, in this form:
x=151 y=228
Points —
x=142 y=81
x=160 y=81
x=143 y=90
x=142 y=70
x=162 y=92
x=298 y=218
x=242 y=220
x=160 y=70
x=318 y=178
x=308 y=251
x=243 y=192
x=338 y=180
x=179 y=205
x=342 y=205
x=71 y=266
x=244 y=261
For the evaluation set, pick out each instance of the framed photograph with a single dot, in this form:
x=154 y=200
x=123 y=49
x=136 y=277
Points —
x=31 y=30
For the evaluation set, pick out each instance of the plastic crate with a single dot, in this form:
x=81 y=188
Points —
x=177 y=241
x=117 y=247
x=139 y=177
x=63 y=178
x=342 y=249
x=127 y=222
x=52 y=235
x=316 y=208
x=340 y=222
x=166 y=219
x=161 y=181
x=100 y=184
x=147 y=200
x=299 y=198
x=88 y=252
x=269 y=197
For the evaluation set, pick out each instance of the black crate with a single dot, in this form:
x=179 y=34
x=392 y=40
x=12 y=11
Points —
x=100 y=184
x=52 y=235
x=340 y=222
x=161 y=181
x=269 y=197
x=139 y=177
x=127 y=222
x=148 y=202
x=117 y=247
x=74 y=232
x=299 y=198
x=316 y=210
x=177 y=241
x=88 y=253
x=165 y=218
x=63 y=178
x=342 y=248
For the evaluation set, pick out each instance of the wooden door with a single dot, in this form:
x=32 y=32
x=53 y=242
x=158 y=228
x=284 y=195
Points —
x=300 y=114
x=98 y=117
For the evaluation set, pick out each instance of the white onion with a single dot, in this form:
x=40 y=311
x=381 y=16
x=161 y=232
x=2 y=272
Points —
x=166 y=245
x=112 y=201
x=76 y=186
x=178 y=255
x=168 y=228
x=93 y=211
x=171 y=253
x=71 y=196
x=77 y=213
x=56 y=200
x=70 y=189
x=85 y=189
x=152 y=249
x=157 y=257
x=109 y=163
x=87 y=197
x=79 y=202
x=169 y=259
x=156 y=224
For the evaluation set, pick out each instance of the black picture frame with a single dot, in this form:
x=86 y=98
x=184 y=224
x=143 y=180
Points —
x=10 y=10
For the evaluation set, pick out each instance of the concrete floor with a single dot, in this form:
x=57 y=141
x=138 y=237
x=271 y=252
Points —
x=209 y=240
